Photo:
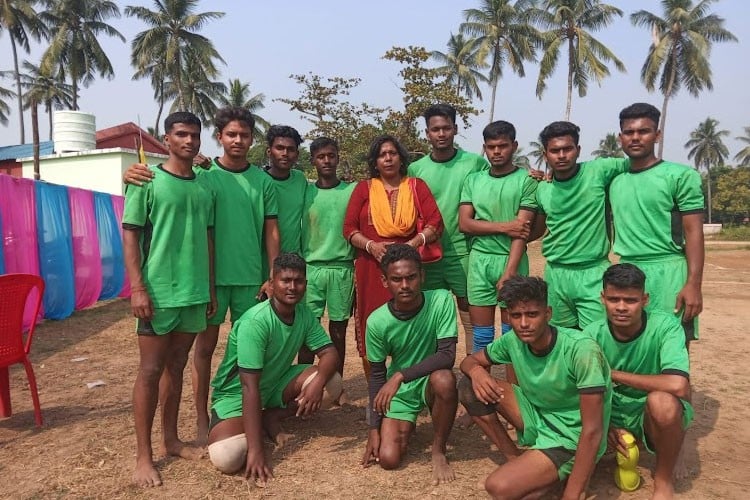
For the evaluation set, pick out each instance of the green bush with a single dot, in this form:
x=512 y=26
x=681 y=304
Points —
x=734 y=233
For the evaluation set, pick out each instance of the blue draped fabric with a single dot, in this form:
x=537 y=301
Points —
x=55 y=249
x=110 y=247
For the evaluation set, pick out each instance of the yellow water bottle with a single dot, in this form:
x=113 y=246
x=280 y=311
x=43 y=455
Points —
x=626 y=473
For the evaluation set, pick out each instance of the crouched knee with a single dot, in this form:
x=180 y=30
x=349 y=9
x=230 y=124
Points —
x=469 y=399
x=229 y=455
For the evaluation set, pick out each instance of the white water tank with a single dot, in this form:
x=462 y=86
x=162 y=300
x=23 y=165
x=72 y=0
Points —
x=73 y=131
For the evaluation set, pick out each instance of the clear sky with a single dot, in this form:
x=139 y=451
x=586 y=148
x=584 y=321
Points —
x=264 y=42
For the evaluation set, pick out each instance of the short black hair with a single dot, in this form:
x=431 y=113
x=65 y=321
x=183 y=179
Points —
x=289 y=260
x=442 y=109
x=624 y=276
x=640 y=110
x=185 y=117
x=397 y=252
x=275 y=131
x=231 y=114
x=524 y=289
x=374 y=153
x=322 y=142
x=498 y=129
x=559 y=129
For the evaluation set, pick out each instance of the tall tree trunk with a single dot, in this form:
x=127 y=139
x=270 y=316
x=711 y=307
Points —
x=571 y=56
x=161 y=109
x=35 y=138
x=75 y=92
x=667 y=96
x=178 y=82
x=495 y=81
x=708 y=190
x=49 y=114
x=19 y=94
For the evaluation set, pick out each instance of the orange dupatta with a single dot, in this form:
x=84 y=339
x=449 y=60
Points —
x=386 y=225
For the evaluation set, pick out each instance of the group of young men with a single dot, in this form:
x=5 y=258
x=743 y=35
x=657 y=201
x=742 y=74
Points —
x=559 y=396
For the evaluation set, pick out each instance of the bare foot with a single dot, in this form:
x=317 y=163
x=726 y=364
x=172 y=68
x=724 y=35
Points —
x=343 y=399
x=182 y=450
x=463 y=419
x=146 y=475
x=442 y=471
x=281 y=439
x=663 y=491
x=681 y=470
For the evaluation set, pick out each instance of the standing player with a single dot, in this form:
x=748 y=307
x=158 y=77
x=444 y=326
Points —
x=560 y=407
x=417 y=330
x=574 y=207
x=497 y=209
x=239 y=188
x=658 y=214
x=256 y=385
x=444 y=170
x=330 y=258
x=651 y=371
x=169 y=258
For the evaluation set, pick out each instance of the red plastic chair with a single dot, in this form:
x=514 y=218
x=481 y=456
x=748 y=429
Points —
x=14 y=290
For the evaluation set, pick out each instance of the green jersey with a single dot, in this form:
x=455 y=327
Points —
x=498 y=199
x=244 y=200
x=290 y=193
x=261 y=342
x=409 y=341
x=576 y=212
x=648 y=206
x=552 y=381
x=323 y=224
x=174 y=214
x=445 y=180
x=658 y=348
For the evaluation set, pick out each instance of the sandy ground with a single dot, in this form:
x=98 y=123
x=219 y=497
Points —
x=86 y=447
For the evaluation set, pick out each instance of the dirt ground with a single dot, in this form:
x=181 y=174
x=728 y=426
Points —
x=86 y=447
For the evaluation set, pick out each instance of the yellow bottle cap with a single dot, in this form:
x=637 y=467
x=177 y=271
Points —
x=628 y=438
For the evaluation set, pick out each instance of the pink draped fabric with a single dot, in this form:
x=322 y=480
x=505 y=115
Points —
x=19 y=243
x=118 y=203
x=86 y=258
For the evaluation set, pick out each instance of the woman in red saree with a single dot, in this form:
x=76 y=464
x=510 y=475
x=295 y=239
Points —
x=382 y=211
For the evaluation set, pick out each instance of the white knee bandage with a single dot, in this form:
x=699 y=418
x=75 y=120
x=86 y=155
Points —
x=332 y=390
x=228 y=455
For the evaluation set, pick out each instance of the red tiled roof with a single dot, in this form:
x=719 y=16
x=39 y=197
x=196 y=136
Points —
x=126 y=135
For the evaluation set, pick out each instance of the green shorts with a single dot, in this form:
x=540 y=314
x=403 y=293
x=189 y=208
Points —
x=484 y=271
x=409 y=400
x=449 y=273
x=330 y=285
x=562 y=457
x=187 y=319
x=574 y=293
x=632 y=421
x=230 y=406
x=664 y=280
x=237 y=299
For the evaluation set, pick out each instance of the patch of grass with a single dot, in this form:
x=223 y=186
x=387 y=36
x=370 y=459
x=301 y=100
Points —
x=734 y=233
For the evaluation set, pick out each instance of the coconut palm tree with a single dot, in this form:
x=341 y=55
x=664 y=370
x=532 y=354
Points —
x=609 y=147
x=537 y=152
x=743 y=157
x=4 y=108
x=155 y=71
x=76 y=28
x=171 y=40
x=22 y=22
x=461 y=64
x=238 y=95
x=707 y=150
x=42 y=88
x=570 y=24
x=506 y=38
x=197 y=93
x=680 y=49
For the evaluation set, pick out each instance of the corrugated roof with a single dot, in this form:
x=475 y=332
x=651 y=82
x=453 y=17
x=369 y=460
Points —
x=26 y=150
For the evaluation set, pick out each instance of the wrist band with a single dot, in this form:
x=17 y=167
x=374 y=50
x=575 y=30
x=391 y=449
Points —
x=367 y=246
x=424 y=239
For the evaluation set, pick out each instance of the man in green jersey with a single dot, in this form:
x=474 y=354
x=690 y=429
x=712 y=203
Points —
x=650 y=369
x=658 y=218
x=444 y=171
x=257 y=385
x=497 y=208
x=239 y=188
x=418 y=331
x=169 y=259
x=560 y=407
x=574 y=208
x=330 y=258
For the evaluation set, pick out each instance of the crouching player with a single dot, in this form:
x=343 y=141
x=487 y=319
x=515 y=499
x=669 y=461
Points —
x=560 y=407
x=650 y=366
x=257 y=385
x=418 y=331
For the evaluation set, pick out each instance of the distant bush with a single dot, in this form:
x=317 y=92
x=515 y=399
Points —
x=734 y=233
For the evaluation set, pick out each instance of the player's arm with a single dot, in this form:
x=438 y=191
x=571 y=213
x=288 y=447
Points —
x=691 y=297
x=675 y=383
x=592 y=429
x=377 y=381
x=310 y=397
x=476 y=367
x=140 y=302
x=272 y=241
x=211 y=307
x=517 y=249
x=538 y=228
x=252 y=421
x=467 y=224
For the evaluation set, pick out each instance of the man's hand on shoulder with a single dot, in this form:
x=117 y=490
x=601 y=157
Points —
x=203 y=162
x=137 y=174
